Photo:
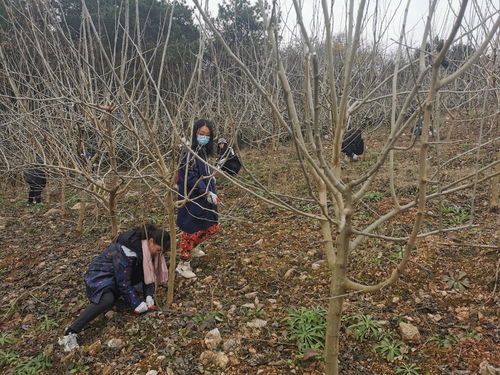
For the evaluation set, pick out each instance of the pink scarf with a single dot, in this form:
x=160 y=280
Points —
x=155 y=268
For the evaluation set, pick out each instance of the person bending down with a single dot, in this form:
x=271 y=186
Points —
x=135 y=258
x=353 y=144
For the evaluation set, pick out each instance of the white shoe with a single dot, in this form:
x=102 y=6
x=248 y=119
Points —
x=184 y=269
x=69 y=342
x=198 y=252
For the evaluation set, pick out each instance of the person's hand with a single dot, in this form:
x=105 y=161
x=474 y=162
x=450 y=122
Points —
x=213 y=198
x=142 y=308
x=150 y=302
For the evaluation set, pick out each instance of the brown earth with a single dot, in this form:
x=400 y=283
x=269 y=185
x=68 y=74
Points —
x=263 y=255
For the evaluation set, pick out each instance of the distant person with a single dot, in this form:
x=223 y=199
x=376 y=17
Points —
x=197 y=218
x=419 y=126
x=353 y=144
x=227 y=159
x=36 y=179
x=135 y=259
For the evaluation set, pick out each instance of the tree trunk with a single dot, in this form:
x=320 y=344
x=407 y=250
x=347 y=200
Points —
x=495 y=190
x=112 y=213
x=81 y=218
x=173 y=248
x=62 y=199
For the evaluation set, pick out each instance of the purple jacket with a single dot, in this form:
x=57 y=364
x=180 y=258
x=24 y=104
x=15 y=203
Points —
x=194 y=181
x=118 y=270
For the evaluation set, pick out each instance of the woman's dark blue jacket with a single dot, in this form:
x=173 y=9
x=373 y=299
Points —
x=118 y=270
x=195 y=179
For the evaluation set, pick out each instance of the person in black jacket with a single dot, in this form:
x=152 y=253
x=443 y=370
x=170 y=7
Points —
x=133 y=259
x=227 y=159
x=353 y=144
x=36 y=179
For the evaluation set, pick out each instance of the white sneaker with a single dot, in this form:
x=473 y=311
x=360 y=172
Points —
x=198 y=252
x=184 y=269
x=69 y=342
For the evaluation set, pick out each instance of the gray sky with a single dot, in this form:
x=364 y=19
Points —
x=391 y=10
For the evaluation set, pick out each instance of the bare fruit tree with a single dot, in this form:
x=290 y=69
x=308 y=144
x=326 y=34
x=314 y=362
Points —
x=100 y=112
x=332 y=94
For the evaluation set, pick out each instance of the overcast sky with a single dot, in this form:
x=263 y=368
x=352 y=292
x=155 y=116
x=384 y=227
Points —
x=392 y=10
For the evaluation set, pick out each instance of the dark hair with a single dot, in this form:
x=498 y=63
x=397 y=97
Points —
x=159 y=236
x=209 y=147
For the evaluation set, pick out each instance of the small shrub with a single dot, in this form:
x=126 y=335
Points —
x=308 y=327
x=396 y=253
x=8 y=358
x=391 y=349
x=454 y=214
x=256 y=312
x=76 y=368
x=445 y=341
x=47 y=324
x=34 y=365
x=456 y=280
x=365 y=327
x=374 y=196
x=7 y=339
x=200 y=318
x=408 y=369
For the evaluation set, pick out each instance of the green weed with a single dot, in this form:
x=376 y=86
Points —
x=365 y=327
x=308 y=327
x=256 y=312
x=368 y=163
x=374 y=196
x=47 y=324
x=75 y=368
x=391 y=349
x=445 y=341
x=200 y=318
x=7 y=339
x=456 y=280
x=34 y=365
x=396 y=253
x=408 y=369
x=454 y=214
x=8 y=358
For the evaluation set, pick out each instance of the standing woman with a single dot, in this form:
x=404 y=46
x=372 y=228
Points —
x=134 y=260
x=197 y=218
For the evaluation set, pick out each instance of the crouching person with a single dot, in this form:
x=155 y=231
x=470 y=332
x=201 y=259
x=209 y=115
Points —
x=135 y=258
x=353 y=144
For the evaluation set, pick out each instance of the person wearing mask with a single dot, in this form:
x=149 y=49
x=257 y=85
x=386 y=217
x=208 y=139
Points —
x=198 y=217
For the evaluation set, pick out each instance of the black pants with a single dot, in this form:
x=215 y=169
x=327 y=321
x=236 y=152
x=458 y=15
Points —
x=90 y=313
x=35 y=194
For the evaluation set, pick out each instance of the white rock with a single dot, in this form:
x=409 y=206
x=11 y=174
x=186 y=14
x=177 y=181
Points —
x=486 y=369
x=316 y=266
x=115 y=343
x=52 y=211
x=213 y=339
x=251 y=295
x=257 y=323
x=152 y=372
x=409 y=332
x=210 y=359
x=289 y=273
x=77 y=206
x=229 y=344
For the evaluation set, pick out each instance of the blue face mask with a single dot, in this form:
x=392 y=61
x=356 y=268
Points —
x=202 y=139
